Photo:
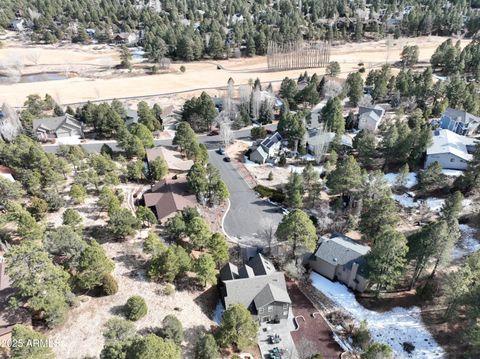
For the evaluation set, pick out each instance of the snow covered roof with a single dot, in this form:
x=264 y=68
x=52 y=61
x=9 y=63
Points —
x=446 y=141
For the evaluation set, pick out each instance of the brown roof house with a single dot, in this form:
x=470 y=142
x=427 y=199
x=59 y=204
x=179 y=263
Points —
x=175 y=162
x=258 y=286
x=57 y=127
x=341 y=258
x=169 y=196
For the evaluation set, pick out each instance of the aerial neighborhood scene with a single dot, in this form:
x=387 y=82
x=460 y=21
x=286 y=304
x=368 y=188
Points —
x=239 y=179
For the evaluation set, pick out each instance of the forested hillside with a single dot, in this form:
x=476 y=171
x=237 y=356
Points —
x=189 y=29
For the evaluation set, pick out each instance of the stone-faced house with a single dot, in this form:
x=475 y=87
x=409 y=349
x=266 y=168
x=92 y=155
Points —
x=369 y=118
x=57 y=127
x=460 y=122
x=258 y=286
x=450 y=150
x=339 y=257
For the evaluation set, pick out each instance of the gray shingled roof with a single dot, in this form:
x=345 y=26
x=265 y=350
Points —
x=244 y=290
x=269 y=294
x=248 y=283
x=461 y=116
x=341 y=250
x=261 y=265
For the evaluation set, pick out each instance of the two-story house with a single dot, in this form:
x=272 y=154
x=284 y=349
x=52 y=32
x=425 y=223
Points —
x=258 y=286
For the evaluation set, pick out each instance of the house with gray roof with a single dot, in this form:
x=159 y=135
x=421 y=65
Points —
x=57 y=127
x=369 y=118
x=258 y=286
x=268 y=148
x=460 y=122
x=450 y=150
x=339 y=257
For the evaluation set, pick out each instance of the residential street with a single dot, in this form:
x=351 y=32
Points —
x=245 y=221
x=246 y=218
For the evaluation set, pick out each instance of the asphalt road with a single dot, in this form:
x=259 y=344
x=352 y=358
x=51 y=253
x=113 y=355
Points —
x=245 y=221
x=210 y=141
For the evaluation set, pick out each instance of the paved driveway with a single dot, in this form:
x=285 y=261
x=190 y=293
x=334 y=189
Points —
x=313 y=335
x=245 y=219
x=283 y=329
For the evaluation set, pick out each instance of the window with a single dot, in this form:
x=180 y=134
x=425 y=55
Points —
x=452 y=159
x=285 y=306
x=285 y=313
x=270 y=308
x=260 y=311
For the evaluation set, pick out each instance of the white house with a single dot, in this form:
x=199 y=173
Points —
x=450 y=150
x=369 y=118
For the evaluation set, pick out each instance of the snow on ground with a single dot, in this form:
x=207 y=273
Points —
x=453 y=173
x=394 y=327
x=299 y=169
x=411 y=180
x=469 y=242
x=218 y=313
x=69 y=140
x=435 y=204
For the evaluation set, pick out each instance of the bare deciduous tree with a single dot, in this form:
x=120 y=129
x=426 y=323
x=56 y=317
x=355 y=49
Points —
x=332 y=89
x=366 y=100
x=226 y=133
x=256 y=102
x=269 y=228
x=321 y=143
x=10 y=125
x=245 y=94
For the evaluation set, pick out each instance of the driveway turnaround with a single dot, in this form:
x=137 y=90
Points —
x=245 y=219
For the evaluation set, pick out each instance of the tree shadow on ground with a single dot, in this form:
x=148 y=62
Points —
x=207 y=301
x=100 y=233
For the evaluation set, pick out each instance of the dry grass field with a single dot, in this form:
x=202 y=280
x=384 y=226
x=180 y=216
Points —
x=85 y=59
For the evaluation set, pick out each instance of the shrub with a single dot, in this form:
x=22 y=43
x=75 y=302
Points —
x=169 y=289
x=118 y=329
x=270 y=176
x=135 y=308
x=109 y=285
x=273 y=194
x=172 y=329
x=361 y=70
x=361 y=337
x=183 y=69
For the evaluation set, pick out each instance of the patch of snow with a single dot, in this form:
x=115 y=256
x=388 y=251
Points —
x=298 y=169
x=435 y=204
x=69 y=140
x=247 y=162
x=411 y=179
x=453 y=173
x=394 y=327
x=308 y=157
x=405 y=200
x=218 y=313
x=469 y=242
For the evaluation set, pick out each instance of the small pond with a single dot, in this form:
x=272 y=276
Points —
x=38 y=77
